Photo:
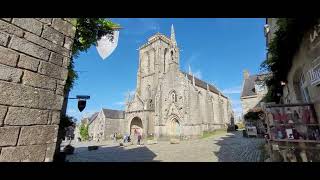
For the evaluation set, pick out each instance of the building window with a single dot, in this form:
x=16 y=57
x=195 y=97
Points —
x=304 y=89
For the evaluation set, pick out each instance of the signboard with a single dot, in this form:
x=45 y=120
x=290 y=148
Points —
x=314 y=75
x=106 y=45
x=81 y=104
x=315 y=33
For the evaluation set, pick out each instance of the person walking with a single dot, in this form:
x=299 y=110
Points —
x=114 y=137
x=139 y=138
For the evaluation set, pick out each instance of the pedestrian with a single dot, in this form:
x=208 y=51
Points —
x=114 y=137
x=139 y=139
x=124 y=138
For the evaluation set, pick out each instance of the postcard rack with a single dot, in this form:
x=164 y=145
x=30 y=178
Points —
x=293 y=133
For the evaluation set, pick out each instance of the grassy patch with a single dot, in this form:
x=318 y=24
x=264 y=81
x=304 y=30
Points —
x=207 y=134
x=150 y=137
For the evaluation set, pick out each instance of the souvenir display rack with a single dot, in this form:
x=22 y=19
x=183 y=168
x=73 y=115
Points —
x=293 y=132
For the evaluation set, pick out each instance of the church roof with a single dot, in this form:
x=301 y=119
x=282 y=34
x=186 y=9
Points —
x=249 y=84
x=113 y=114
x=93 y=117
x=202 y=84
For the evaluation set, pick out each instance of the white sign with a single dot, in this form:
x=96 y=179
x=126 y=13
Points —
x=314 y=75
x=105 y=46
x=315 y=33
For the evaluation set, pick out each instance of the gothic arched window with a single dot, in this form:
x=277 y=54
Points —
x=172 y=55
x=173 y=97
x=150 y=104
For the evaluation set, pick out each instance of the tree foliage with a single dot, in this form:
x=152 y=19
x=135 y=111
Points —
x=88 y=32
x=282 y=49
x=84 y=131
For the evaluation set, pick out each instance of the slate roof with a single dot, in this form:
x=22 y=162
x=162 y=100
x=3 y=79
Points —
x=203 y=84
x=113 y=114
x=249 y=84
x=93 y=117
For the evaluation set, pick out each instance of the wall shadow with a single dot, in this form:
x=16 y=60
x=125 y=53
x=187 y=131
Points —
x=233 y=147
x=113 y=154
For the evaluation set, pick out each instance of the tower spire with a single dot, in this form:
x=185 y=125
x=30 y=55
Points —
x=173 y=36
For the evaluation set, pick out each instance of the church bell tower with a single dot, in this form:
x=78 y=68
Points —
x=156 y=58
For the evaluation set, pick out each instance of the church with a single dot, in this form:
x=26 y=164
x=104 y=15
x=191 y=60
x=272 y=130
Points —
x=167 y=102
x=170 y=103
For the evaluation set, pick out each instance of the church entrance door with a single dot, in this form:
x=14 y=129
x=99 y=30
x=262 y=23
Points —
x=175 y=129
x=136 y=127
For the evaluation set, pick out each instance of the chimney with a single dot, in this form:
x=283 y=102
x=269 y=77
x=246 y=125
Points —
x=246 y=74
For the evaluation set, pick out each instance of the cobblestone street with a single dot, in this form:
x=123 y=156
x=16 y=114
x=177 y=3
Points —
x=231 y=147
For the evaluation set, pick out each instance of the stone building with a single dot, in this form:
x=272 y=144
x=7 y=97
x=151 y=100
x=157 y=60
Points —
x=168 y=102
x=104 y=123
x=303 y=79
x=253 y=91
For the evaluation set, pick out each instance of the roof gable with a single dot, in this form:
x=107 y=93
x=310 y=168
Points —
x=113 y=114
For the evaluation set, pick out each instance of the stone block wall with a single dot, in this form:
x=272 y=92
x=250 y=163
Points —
x=34 y=56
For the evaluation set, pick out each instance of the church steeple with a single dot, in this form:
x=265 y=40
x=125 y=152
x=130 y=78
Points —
x=173 y=36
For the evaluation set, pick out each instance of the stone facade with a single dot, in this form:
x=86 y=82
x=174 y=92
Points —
x=299 y=88
x=103 y=124
x=253 y=91
x=170 y=103
x=33 y=63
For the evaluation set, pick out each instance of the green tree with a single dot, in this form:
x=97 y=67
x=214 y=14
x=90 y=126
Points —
x=84 y=132
x=88 y=32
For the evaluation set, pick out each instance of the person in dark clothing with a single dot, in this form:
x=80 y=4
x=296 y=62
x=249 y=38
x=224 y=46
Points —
x=139 y=139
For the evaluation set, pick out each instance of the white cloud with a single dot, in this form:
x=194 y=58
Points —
x=198 y=74
x=121 y=103
x=140 y=25
x=233 y=90
x=194 y=56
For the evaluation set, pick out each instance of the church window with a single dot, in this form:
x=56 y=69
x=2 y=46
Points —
x=148 y=61
x=173 y=97
x=164 y=59
x=304 y=89
x=172 y=54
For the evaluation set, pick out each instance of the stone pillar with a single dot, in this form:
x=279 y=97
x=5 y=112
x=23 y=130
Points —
x=34 y=56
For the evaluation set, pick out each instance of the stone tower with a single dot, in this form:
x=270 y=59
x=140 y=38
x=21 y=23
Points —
x=156 y=58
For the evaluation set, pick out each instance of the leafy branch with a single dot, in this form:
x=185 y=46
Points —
x=282 y=49
x=88 y=32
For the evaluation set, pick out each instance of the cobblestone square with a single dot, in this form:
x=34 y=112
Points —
x=230 y=147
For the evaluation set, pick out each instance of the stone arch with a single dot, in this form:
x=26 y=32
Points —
x=173 y=96
x=174 y=127
x=136 y=126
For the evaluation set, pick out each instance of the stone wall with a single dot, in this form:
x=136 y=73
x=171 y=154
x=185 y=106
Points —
x=34 y=56
x=306 y=58
x=250 y=102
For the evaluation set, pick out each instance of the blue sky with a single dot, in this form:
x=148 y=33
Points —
x=217 y=50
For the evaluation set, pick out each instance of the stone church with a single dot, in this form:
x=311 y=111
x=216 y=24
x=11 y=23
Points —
x=167 y=103
x=170 y=103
